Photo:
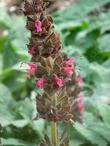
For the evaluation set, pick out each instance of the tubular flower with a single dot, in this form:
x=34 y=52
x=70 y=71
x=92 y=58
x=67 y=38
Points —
x=40 y=83
x=69 y=70
x=38 y=26
x=58 y=81
x=32 y=69
x=69 y=62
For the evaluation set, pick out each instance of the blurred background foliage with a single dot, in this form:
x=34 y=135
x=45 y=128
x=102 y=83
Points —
x=84 y=28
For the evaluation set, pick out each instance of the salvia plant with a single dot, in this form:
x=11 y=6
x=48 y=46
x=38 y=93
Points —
x=53 y=71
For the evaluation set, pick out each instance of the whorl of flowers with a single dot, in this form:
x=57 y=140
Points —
x=53 y=71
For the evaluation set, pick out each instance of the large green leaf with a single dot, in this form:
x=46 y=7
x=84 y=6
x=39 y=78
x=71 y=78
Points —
x=15 y=142
x=21 y=34
x=5 y=102
x=27 y=109
x=19 y=123
x=91 y=136
x=90 y=107
x=7 y=22
x=104 y=111
x=80 y=9
x=101 y=129
x=76 y=138
x=14 y=79
x=10 y=57
x=102 y=93
x=104 y=42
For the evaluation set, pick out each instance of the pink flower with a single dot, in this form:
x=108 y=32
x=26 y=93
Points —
x=38 y=26
x=32 y=51
x=69 y=70
x=31 y=65
x=69 y=62
x=80 y=102
x=58 y=81
x=80 y=80
x=40 y=83
x=32 y=69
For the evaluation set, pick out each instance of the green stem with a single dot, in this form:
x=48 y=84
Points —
x=54 y=133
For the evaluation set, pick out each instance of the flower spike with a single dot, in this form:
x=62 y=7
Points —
x=54 y=72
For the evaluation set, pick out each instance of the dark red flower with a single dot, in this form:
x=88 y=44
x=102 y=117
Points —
x=32 y=51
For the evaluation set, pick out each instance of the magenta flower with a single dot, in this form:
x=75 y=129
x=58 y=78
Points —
x=32 y=51
x=40 y=83
x=80 y=80
x=58 y=81
x=32 y=69
x=38 y=26
x=69 y=70
x=80 y=102
x=69 y=62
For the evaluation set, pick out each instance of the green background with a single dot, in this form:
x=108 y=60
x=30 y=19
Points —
x=84 y=29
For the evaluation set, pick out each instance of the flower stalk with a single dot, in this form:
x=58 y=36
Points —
x=54 y=133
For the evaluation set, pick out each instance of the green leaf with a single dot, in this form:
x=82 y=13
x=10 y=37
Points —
x=20 y=40
x=5 y=94
x=88 y=40
x=6 y=100
x=39 y=123
x=15 y=142
x=102 y=22
x=12 y=141
x=3 y=40
x=102 y=92
x=76 y=142
x=90 y=136
x=104 y=111
x=101 y=129
x=12 y=57
x=27 y=109
x=19 y=123
x=76 y=138
x=7 y=22
x=90 y=106
x=80 y=9
x=14 y=79
x=104 y=42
